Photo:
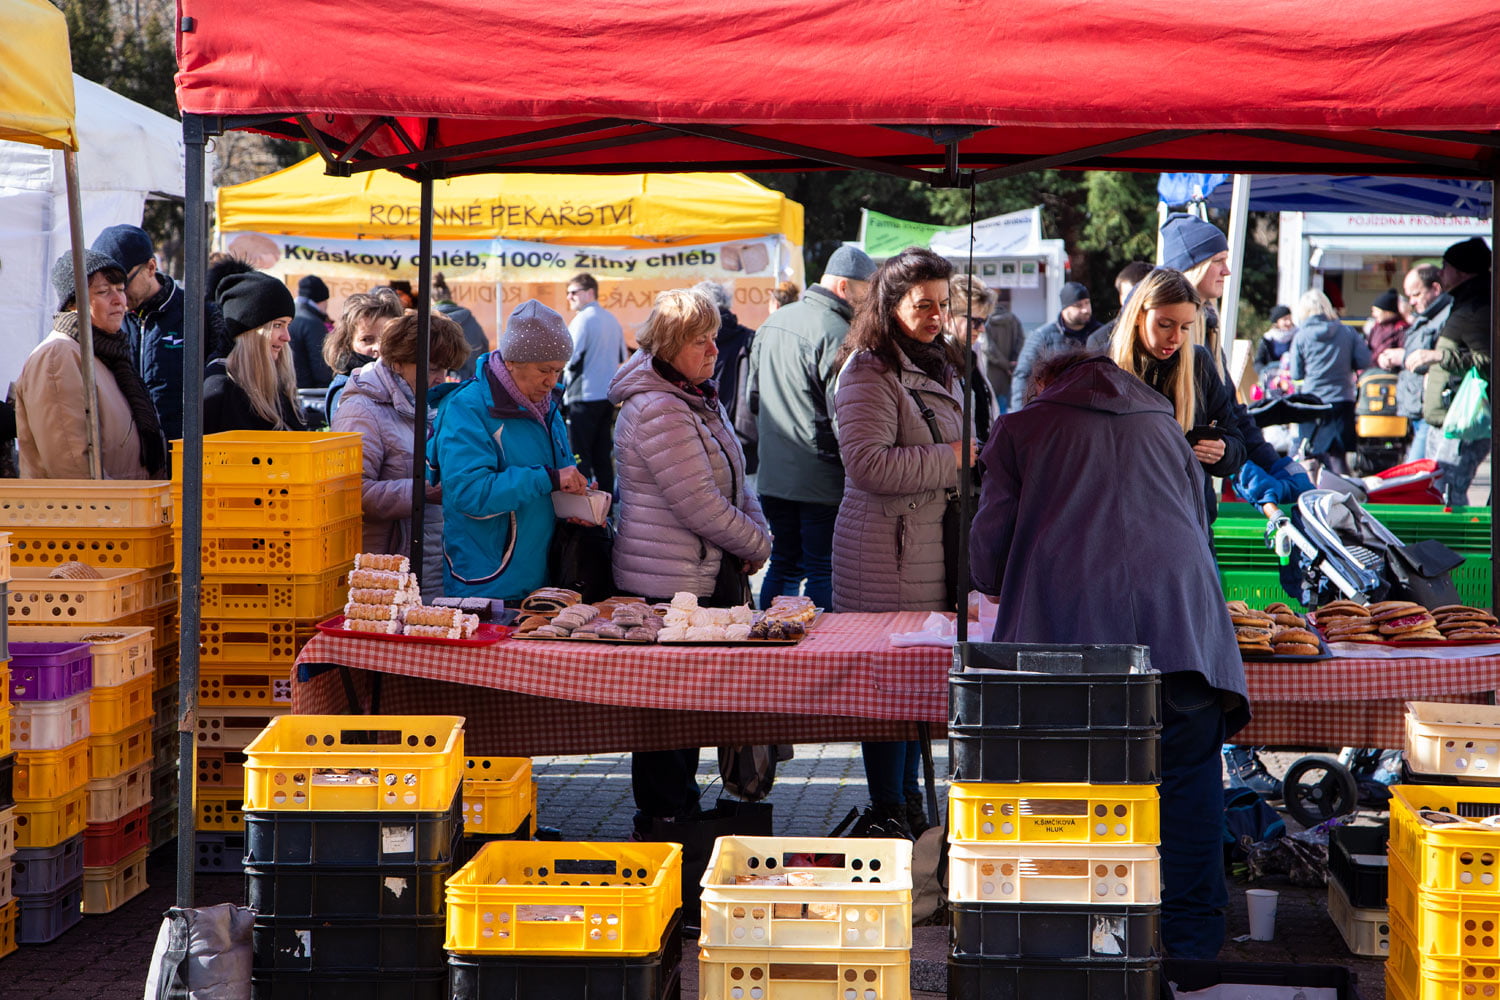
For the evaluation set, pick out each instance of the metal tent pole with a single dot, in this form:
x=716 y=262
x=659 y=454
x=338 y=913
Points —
x=85 y=323
x=1494 y=347
x=424 y=349
x=1229 y=305
x=195 y=266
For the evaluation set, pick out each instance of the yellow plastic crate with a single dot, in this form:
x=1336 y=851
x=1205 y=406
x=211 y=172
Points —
x=120 y=654
x=7 y=832
x=1444 y=924
x=115 y=798
x=1054 y=873
x=310 y=597
x=278 y=551
x=10 y=913
x=280 y=505
x=838 y=893
x=163 y=586
x=220 y=768
x=243 y=685
x=798 y=974
x=47 y=774
x=7 y=882
x=4 y=556
x=499 y=793
x=111 y=548
x=220 y=810
x=107 y=889
x=1459 y=741
x=272 y=644
x=1427 y=977
x=356 y=763
x=1365 y=931
x=4 y=713
x=117 y=753
x=49 y=822
x=239 y=458
x=235 y=728
x=1446 y=851
x=1054 y=814
x=547 y=898
x=85 y=503
x=37 y=600
x=115 y=709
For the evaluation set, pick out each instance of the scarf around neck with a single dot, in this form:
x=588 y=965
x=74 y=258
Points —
x=502 y=375
x=113 y=350
x=706 y=391
x=931 y=359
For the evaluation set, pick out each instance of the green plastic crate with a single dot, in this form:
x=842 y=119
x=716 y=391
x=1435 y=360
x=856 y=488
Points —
x=1256 y=587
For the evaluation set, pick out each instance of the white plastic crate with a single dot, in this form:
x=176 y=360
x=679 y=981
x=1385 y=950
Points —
x=1456 y=741
x=796 y=974
x=120 y=654
x=1366 y=932
x=115 y=798
x=7 y=878
x=234 y=728
x=1053 y=873
x=7 y=833
x=38 y=599
x=49 y=725
x=809 y=892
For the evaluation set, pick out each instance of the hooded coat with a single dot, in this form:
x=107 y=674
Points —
x=888 y=539
x=498 y=466
x=1324 y=356
x=1116 y=549
x=382 y=408
x=684 y=502
x=310 y=326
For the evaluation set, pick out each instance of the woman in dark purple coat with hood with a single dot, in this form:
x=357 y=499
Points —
x=1090 y=529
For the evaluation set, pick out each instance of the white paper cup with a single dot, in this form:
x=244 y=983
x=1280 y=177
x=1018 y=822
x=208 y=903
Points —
x=1262 y=906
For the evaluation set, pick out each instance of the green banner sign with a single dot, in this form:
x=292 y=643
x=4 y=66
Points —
x=886 y=236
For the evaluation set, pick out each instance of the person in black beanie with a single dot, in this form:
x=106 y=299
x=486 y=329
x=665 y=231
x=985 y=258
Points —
x=254 y=387
x=309 y=327
x=51 y=428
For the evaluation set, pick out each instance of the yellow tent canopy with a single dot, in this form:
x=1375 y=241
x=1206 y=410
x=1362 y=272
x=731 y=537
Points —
x=618 y=210
x=36 y=86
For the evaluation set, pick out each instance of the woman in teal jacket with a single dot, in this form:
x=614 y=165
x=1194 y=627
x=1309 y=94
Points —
x=499 y=449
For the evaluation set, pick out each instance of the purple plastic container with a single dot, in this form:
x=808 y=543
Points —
x=47 y=671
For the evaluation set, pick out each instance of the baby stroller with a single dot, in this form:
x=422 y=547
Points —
x=1380 y=432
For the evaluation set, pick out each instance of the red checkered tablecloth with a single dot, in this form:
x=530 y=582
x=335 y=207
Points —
x=845 y=681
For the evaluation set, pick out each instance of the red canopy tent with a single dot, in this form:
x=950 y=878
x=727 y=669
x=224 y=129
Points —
x=950 y=92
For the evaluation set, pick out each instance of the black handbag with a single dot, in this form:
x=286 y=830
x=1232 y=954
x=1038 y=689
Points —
x=580 y=557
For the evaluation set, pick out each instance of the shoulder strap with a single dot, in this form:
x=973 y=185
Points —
x=928 y=415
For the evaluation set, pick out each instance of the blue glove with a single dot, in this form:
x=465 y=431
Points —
x=1293 y=477
x=1258 y=486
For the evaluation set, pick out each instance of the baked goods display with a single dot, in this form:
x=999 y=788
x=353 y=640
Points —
x=1273 y=632
x=554 y=614
x=1399 y=622
x=384 y=599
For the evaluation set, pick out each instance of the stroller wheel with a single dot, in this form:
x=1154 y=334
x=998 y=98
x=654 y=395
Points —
x=1316 y=789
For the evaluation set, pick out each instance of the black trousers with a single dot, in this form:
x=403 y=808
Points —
x=591 y=428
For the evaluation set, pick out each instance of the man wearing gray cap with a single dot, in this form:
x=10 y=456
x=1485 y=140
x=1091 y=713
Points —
x=1072 y=328
x=801 y=478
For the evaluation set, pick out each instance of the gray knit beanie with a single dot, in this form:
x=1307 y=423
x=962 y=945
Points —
x=534 y=333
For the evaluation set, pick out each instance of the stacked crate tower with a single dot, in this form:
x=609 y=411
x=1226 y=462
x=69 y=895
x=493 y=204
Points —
x=97 y=632
x=10 y=907
x=1443 y=891
x=351 y=824
x=1054 y=880
x=281 y=527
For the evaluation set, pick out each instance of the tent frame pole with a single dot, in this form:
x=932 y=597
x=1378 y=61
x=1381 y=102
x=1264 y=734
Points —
x=1494 y=346
x=195 y=267
x=424 y=355
x=85 y=320
x=1229 y=304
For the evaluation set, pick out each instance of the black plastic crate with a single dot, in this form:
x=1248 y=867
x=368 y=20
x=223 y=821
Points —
x=216 y=853
x=1357 y=861
x=7 y=781
x=40 y=871
x=523 y=977
x=472 y=842
x=1011 y=701
x=353 y=839
x=1095 y=757
x=1007 y=979
x=362 y=984
x=1188 y=976
x=47 y=917
x=1052 y=657
x=391 y=891
x=1030 y=931
x=317 y=944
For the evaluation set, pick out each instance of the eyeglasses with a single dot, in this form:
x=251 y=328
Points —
x=976 y=322
x=574 y=291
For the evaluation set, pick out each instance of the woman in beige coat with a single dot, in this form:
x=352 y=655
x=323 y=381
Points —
x=899 y=407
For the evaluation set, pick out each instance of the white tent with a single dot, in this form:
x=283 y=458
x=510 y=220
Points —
x=127 y=153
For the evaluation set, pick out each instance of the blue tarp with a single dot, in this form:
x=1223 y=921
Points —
x=1323 y=193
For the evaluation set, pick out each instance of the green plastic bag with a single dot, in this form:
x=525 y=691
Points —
x=1469 y=415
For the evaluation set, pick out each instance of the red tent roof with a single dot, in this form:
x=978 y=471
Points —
x=472 y=85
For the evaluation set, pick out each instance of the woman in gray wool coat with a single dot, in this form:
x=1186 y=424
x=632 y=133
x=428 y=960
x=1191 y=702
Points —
x=899 y=465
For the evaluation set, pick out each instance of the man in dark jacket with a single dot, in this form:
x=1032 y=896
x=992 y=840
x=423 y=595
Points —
x=1051 y=553
x=1128 y=277
x=801 y=477
x=155 y=321
x=1072 y=328
x=733 y=341
x=309 y=326
x=1430 y=305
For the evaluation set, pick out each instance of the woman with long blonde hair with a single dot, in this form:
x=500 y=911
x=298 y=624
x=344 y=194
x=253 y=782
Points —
x=1156 y=339
x=254 y=387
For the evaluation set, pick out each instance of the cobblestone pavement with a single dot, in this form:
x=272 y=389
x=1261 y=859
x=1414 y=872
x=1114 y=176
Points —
x=588 y=798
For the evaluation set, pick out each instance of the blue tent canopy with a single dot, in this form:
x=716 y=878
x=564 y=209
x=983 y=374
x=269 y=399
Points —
x=1323 y=193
